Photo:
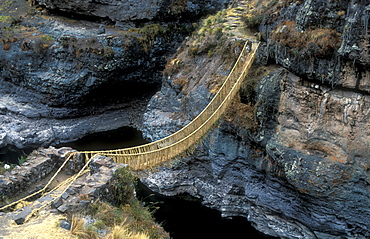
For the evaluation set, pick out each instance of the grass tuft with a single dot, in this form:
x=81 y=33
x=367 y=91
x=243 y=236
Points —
x=79 y=229
x=122 y=231
x=320 y=42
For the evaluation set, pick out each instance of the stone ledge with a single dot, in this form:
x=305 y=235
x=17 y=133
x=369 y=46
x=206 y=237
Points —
x=39 y=165
x=85 y=190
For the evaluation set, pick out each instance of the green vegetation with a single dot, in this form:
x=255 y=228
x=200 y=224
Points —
x=22 y=159
x=178 y=6
x=210 y=23
x=4 y=19
x=47 y=38
x=2 y=168
x=253 y=21
x=125 y=217
x=42 y=43
x=10 y=12
x=149 y=33
x=258 y=10
x=123 y=187
x=5 y=5
x=5 y=167
x=210 y=37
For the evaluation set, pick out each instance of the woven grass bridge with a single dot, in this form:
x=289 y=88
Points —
x=163 y=150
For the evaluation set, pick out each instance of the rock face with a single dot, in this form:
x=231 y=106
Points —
x=288 y=181
x=328 y=41
x=291 y=154
x=85 y=190
x=40 y=164
x=303 y=171
x=61 y=93
x=124 y=11
x=70 y=64
x=114 y=10
x=62 y=79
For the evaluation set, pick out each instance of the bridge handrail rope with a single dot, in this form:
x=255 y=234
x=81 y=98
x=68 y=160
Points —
x=176 y=143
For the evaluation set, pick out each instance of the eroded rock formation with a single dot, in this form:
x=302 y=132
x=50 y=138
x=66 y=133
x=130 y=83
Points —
x=303 y=172
x=131 y=11
x=291 y=154
x=63 y=78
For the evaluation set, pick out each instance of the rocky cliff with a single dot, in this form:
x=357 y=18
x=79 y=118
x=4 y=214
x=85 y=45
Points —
x=292 y=154
x=128 y=12
x=66 y=76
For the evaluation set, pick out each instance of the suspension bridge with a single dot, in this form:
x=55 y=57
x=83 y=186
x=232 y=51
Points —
x=163 y=150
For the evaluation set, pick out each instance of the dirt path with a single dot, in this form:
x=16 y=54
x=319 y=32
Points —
x=44 y=226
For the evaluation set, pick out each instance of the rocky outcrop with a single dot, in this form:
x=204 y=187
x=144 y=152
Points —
x=194 y=74
x=85 y=190
x=38 y=166
x=323 y=41
x=291 y=181
x=67 y=81
x=293 y=155
x=71 y=64
x=131 y=11
x=26 y=123
x=113 y=10
x=63 y=79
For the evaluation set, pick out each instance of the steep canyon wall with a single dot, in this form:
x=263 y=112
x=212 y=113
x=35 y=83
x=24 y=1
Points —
x=293 y=155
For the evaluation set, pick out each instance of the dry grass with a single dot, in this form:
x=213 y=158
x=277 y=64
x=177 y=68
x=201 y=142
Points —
x=43 y=226
x=242 y=115
x=79 y=229
x=122 y=231
x=320 y=42
x=6 y=46
x=181 y=81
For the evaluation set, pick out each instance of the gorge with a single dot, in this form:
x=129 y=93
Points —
x=291 y=154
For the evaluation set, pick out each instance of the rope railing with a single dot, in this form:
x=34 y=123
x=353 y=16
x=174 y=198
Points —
x=151 y=154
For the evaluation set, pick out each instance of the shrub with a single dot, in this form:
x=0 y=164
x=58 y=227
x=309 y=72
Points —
x=252 y=21
x=42 y=43
x=2 y=168
x=133 y=219
x=109 y=214
x=22 y=159
x=6 y=46
x=122 y=185
x=320 y=42
x=47 y=38
x=178 y=6
x=127 y=218
x=5 y=18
